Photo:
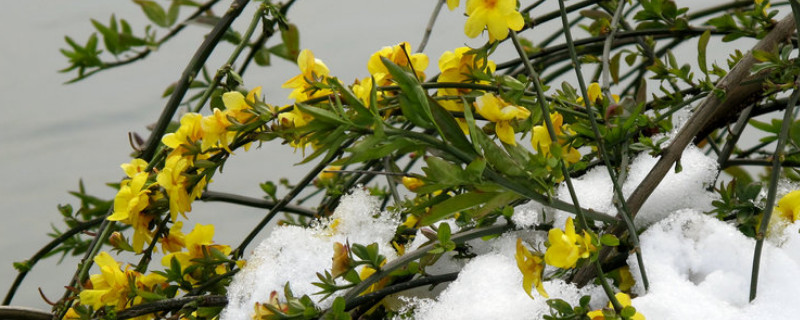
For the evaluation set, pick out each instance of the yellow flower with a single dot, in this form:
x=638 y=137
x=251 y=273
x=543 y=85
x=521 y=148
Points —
x=174 y=240
x=501 y=113
x=189 y=132
x=411 y=221
x=129 y=202
x=789 y=206
x=566 y=247
x=71 y=314
x=541 y=140
x=496 y=15
x=237 y=105
x=595 y=93
x=215 y=130
x=173 y=180
x=134 y=167
x=400 y=55
x=198 y=243
x=327 y=175
x=261 y=310
x=532 y=267
x=112 y=287
x=294 y=118
x=458 y=66
x=412 y=183
x=366 y=272
x=452 y=4
x=363 y=90
x=311 y=70
x=341 y=259
x=624 y=300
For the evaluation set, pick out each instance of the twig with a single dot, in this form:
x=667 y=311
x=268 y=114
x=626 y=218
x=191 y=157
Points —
x=197 y=62
x=236 y=254
x=416 y=254
x=23 y=313
x=419 y=282
x=619 y=199
x=171 y=304
x=212 y=196
x=737 y=88
x=776 y=170
x=144 y=53
x=46 y=250
x=232 y=58
x=429 y=28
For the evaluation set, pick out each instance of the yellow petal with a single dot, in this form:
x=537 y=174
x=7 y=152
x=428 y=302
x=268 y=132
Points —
x=452 y=4
x=505 y=132
x=594 y=92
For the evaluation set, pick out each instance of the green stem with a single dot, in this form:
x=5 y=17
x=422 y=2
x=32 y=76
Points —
x=212 y=196
x=403 y=260
x=82 y=226
x=429 y=27
x=232 y=58
x=776 y=171
x=194 y=66
x=533 y=76
x=619 y=202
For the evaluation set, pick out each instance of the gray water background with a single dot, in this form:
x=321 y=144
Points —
x=52 y=135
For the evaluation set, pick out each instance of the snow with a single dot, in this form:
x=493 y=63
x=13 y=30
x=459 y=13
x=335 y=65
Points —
x=682 y=190
x=698 y=267
x=294 y=254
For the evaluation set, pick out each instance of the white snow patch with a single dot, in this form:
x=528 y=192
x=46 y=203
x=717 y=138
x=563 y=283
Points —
x=699 y=268
x=490 y=287
x=294 y=254
x=686 y=189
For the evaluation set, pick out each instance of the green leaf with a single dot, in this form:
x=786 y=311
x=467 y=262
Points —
x=110 y=35
x=291 y=38
x=701 y=50
x=609 y=240
x=443 y=172
x=322 y=114
x=449 y=128
x=614 y=67
x=455 y=204
x=498 y=158
x=154 y=12
x=413 y=99
x=261 y=57
x=173 y=11
x=444 y=232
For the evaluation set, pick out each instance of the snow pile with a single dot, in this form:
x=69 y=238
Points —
x=683 y=190
x=490 y=287
x=294 y=254
x=699 y=268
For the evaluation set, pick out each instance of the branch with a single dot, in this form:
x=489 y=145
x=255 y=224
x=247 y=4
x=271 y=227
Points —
x=144 y=53
x=44 y=251
x=171 y=304
x=212 y=196
x=23 y=313
x=197 y=62
x=738 y=88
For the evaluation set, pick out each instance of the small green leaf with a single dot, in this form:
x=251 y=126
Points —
x=609 y=240
x=154 y=12
x=455 y=204
x=291 y=38
x=261 y=57
x=701 y=50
